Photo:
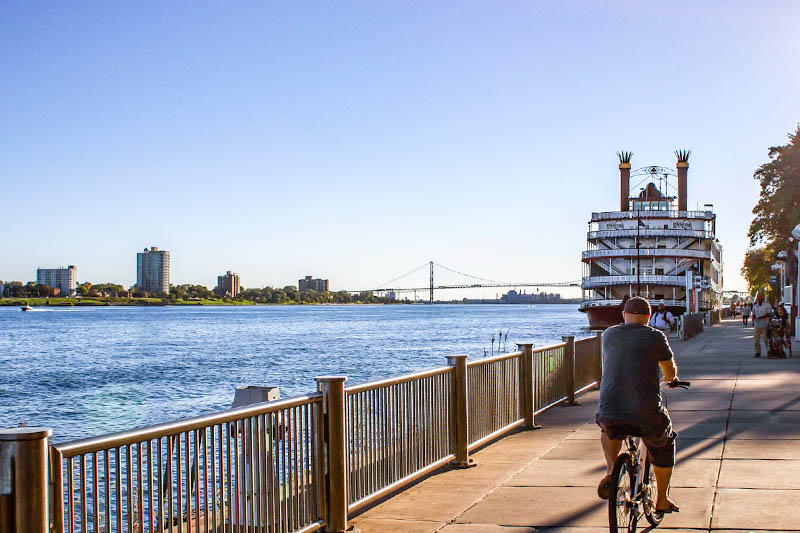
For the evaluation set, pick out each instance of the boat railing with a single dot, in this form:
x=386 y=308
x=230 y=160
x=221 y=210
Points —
x=644 y=279
x=612 y=302
x=649 y=232
x=620 y=215
x=646 y=252
x=308 y=462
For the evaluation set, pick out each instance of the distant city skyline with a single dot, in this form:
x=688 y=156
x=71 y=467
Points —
x=359 y=141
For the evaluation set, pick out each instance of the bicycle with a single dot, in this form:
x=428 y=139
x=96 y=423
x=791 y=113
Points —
x=633 y=485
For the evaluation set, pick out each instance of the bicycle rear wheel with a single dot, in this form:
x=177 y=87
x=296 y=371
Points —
x=650 y=496
x=622 y=516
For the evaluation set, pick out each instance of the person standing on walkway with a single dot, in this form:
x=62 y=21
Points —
x=745 y=314
x=761 y=315
x=630 y=396
x=785 y=338
x=662 y=319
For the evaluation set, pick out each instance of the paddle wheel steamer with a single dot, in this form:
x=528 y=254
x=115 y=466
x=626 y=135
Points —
x=653 y=247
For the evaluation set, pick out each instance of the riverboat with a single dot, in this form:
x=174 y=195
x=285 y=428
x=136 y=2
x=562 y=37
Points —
x=653 y=247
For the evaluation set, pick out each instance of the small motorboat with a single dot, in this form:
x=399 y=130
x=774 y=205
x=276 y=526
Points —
x=26 y=307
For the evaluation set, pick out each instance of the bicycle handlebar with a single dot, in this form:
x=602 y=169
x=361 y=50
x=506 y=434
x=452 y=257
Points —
x=677 y=383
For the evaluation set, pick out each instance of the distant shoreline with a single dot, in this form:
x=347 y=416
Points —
x=157 y=302
x=135 y=302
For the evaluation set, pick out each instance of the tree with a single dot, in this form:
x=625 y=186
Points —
x=42 y=290
x=757 y=270
x=15 y=289
x=110 y=289
x=84 y=288
x=778 y=207
x=188 y=291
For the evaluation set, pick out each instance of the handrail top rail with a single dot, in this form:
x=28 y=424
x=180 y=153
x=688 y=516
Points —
x=584 y=339
x=664 y=213
x=493 y=359
x=649 y=232
x=405 y=378
x=551 y=347
x=131 y=436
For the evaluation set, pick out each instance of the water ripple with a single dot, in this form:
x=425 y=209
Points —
x=89 y=371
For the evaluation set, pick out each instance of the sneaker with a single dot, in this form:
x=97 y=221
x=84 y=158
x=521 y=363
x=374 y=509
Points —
x=757 y=355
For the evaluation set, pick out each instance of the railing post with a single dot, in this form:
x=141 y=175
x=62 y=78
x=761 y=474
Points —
x=599 y=362
x=460 y=410
x=23 y=480
x=569 y=361
x=526 y=382
x=333 y=405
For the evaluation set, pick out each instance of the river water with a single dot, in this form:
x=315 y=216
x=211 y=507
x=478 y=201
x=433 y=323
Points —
x=87 y=371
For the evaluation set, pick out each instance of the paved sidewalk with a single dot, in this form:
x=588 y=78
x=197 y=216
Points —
x=738 y=457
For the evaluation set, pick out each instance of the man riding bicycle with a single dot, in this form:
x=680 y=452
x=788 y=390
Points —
x=630 y=396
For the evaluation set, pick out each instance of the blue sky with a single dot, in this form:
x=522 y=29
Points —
x=355 y=141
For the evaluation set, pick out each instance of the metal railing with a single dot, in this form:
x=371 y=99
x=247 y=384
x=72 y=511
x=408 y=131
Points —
x=305 y=463
x=550 y=385
x=246 y=468
x=649 y=232
x=588 y=365
x=495 y=403
x=607 y=302
x=690 y=324
x=396 y=428
x=646 y=252
x=619 y=215
x=648 y=279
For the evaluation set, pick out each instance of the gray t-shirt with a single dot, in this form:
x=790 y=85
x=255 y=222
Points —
x=629 y=389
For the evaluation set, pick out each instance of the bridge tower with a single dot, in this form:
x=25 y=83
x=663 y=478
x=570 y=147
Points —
x=431 y=290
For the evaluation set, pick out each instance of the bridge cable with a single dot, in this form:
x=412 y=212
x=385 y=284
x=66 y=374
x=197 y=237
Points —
x=470 y=276
x=554 y=284
x=424 y=265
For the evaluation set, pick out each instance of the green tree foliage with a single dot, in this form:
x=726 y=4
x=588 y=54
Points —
x=15 y=289
x=83 y=289
x=110 y=289
x=776 y=213
x=778 y=207
x=189 y=292
x=757 y=270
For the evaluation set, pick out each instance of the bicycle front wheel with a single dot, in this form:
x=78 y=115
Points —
x=622 y=516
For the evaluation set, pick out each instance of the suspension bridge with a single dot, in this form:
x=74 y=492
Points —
x=479 y=283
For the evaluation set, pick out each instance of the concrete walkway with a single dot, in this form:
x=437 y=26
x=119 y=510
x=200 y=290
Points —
x=738 y=457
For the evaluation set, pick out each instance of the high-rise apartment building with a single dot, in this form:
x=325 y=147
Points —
x=152 y=271
x=311 y=284
x=62 y=279
x=228 y=285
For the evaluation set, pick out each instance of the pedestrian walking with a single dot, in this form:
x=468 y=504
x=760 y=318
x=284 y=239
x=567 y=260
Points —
x=782 y=334
x=745 y=314
x=762 y=312
x=662 y=319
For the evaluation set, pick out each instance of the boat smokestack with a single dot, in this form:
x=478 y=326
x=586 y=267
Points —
x=683 y=170
x=624 y=179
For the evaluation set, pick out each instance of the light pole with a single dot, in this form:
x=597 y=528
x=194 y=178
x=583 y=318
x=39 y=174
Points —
x=782 y=255
x=638 y=262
